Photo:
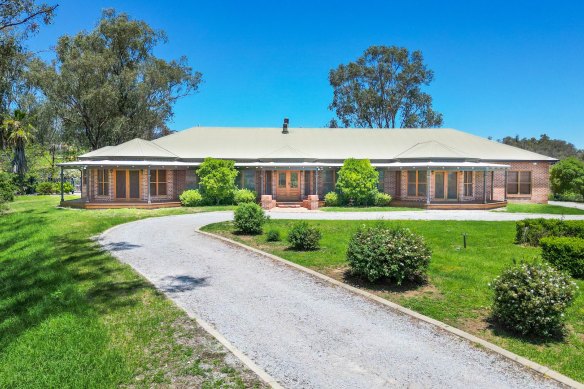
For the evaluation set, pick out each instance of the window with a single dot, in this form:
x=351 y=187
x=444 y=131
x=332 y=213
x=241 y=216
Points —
x=417 y=183
x=381 y=183
x=248 y=179
x=467 y=183
x=103 y=182
x=329 y=180
x=519 y=183
x=158 y=182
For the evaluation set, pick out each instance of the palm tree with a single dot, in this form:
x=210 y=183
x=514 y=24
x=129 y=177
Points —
x=18 y=133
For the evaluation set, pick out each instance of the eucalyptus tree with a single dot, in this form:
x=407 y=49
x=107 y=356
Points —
x=383 y=89
x=107 y=85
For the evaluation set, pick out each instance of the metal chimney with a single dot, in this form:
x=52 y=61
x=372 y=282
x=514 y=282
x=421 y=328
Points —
x=285 y=126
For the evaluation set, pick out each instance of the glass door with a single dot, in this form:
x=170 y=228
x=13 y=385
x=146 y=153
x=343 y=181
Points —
x=127 y=184
x=446 y=185
x=452 y=185
x=288 y=186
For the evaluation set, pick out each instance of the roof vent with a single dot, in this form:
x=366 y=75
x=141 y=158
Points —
x=285 y=126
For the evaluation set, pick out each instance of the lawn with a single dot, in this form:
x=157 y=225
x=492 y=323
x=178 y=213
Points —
x=542 y=208
x=368 y=209
x=458 y=291
x=73 y=316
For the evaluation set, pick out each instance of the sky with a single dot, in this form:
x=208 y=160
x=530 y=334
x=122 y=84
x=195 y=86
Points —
x=501 y=67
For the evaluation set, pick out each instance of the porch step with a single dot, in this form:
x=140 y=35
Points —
x=290 y=204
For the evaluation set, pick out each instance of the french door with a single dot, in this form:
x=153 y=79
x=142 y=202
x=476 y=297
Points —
x=127 y=184
x=288 y=185
x=446 y=185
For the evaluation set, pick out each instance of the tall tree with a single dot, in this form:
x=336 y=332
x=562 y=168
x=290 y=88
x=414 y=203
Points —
x=19 y=132
x=383 y=88
x=24 y=15
x=545 y=145
x=108 y=86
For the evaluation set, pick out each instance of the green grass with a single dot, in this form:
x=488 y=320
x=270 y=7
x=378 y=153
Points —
x=368 y=209
x=458 y=291
x=543 y=208
x=73 y=316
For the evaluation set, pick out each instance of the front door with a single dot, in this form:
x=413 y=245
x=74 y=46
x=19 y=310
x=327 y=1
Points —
x=127 y=184
x=288 y=186
x=445 y=185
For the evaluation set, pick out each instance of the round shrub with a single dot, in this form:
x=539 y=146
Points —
x=67 y=187
x=191 y=198
x=304 y=237
x=396 y=254
x=244 y=196
x=45 y=188
x=331 y=199
x=273 y=236
x=249 y=218
x=531 y=299
x=382 y=199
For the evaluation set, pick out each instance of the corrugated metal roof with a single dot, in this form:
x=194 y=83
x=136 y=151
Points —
x=135 y=148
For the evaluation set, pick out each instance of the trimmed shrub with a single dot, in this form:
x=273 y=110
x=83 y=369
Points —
x=531 y=299
x=244 y=196
x=304 y=237
x=395 y=254
x=249 y=218
x=331 y=199
x=564 y=253
x=217 y=180
x=382 y=199
x=357 y=182
x=530 y=231
x=273 y=236
x=191 y=198
x=7 y=188
x=45 y=188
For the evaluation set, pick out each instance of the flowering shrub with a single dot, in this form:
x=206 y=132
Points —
x=331 y=199
x=304 y=237
x=564 y=253
x=191 y=198
x=382 y=199
x=249 y=218
x=393 y=253
x=531 y=299
x=244 y=196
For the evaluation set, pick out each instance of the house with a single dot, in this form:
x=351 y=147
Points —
x=430 y=168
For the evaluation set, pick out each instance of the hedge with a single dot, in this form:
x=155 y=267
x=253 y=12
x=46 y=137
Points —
x=530 y=231
x=564 y=253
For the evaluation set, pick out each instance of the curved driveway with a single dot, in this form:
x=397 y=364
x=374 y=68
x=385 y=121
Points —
x=301 y=330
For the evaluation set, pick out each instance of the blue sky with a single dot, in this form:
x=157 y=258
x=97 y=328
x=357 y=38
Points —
x=501 y=68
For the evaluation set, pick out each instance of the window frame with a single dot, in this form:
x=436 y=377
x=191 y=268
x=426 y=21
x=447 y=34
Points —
x=418 y=183
x=468 y=186
x=103 y=185
x=517 y=184
x=158 y=184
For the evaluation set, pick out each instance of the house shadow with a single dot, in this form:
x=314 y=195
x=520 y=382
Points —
x=184 y=283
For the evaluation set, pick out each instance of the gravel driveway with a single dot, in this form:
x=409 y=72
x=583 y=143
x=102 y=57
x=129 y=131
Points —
x=302 y=331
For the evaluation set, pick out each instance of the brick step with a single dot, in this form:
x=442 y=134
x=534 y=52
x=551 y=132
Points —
x=284 y=204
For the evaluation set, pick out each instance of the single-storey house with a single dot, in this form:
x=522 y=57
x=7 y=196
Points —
x=430 y=168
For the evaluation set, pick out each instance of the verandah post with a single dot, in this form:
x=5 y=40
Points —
x=62 y=196
x=485 y=187
x=428 y=179
x=148 y=184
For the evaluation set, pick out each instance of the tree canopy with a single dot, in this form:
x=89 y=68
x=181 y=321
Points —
x=567 y=177
x=545 y=145
x=107 y=85
x=357 y=181
x=383 y=89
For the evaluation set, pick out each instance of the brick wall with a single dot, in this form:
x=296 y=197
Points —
x=540 y=182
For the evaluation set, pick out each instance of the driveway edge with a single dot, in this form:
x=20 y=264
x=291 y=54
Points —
x=545 y=371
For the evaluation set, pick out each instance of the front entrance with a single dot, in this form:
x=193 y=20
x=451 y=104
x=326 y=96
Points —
x=288 y=186
x=127 y=184
x=446 y=185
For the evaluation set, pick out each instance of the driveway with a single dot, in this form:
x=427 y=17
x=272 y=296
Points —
x=301 y=330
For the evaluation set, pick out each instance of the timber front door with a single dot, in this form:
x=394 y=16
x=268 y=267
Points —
x=127 y=184
x=445 y=186
x=288 y=186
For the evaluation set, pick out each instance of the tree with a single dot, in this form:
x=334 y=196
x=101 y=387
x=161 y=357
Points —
x=382 y=89
x=108 y=86
x=567 y=177
x=357 y=181
x=217 y=180
x=23 y=15
x=18 y=133
x=545 y=145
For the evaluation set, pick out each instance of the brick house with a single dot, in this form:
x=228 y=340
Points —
x=430 y=168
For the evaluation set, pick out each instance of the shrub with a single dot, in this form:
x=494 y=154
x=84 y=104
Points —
x=7 y=188
x=249 y=218
x=564 y=253
x=331 y=199
x=244 y=196
x=530 y=231
x=396 y=254
x=217 y=180
x=382 y=199
x=304 y=237
x=531 y=299
x=45 y=188
x=567 y=177
x=191 y=198
x=273 y=236
x=357 y=181
x=67 y=187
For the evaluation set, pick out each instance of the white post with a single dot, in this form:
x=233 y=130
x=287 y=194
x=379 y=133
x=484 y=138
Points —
x=148 y=184
x=62 y=196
